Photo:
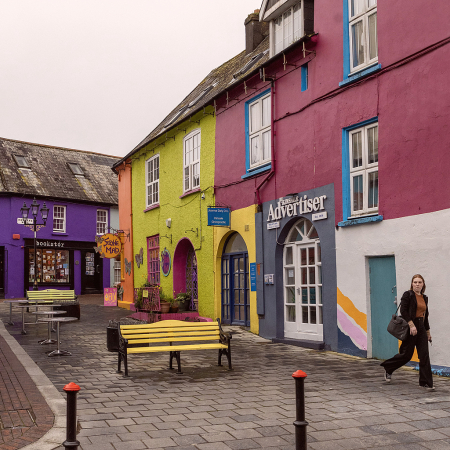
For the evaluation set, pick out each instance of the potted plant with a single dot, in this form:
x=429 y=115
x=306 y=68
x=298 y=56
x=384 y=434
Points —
x=164 y=302
x=184 y=301
x=173 y=304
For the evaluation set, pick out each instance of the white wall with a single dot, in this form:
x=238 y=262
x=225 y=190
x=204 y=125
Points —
x=420 y=244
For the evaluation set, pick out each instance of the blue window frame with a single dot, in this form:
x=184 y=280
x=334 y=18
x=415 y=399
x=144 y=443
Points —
x=304 y=77
x=258 y=134
x=360 y=49
x=360 y=175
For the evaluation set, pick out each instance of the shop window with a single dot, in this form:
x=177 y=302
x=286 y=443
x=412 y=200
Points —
x=59 y=219
x=153 y=271
x=102 y=221
x=117 y=272
x=258 y=134
x=360 y=39
x=52 y=266
x=152 y=180
x=360 y=172
x=191 y=150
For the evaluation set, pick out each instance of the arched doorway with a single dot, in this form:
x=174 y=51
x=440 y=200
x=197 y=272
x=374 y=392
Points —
x=185 y=274
x=302 y=281
x=235 y=282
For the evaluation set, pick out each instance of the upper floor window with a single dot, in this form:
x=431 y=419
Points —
x=59 y=219
x=191 y=166
x=258 y=130
x=21 y=161
x=76 y=169
x=362 y=33
x=363 y=154
x=117 y=272
x=102 y=221
x=287 y=28
x=152 y=180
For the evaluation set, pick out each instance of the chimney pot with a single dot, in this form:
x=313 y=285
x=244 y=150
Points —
x=255 y=31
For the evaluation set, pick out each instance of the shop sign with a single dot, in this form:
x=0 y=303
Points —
x=295 y=206
x=59 y=244
x=109 y=246
x=110 y=297
x=166 y=262
x=253 y=277
x=219 y=217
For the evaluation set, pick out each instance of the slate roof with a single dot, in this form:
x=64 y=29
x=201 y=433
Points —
x=50 y=176
x=221 y=79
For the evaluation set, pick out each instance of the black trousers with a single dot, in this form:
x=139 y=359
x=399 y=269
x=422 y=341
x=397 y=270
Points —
x=419 y=341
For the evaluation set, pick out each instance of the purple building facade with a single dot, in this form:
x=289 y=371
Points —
x=80 y=192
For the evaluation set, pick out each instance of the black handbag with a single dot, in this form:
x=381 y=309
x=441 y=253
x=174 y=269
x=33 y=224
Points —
x=398 y=327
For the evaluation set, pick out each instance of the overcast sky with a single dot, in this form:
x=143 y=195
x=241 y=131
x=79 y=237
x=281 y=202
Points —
x=99 y=75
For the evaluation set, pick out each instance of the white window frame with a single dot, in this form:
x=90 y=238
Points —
x=291 y=29
x=59 y=213
x=152 y=181
x=364 y=170
x=117 y=272
x=256 y=134
x=102 y=224
x=369 y=8
x=191 y=161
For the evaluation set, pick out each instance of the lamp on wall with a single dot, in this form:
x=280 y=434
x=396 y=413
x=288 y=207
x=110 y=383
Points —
x=168 y=223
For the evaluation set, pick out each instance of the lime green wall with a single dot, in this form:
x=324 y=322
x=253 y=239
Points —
x=189 y=212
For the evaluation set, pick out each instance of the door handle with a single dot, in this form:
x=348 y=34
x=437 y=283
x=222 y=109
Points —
x=395 y=287
x=96 y=269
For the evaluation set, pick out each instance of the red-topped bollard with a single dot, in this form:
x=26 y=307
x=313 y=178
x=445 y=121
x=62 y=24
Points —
x=71 y=442
x=300 y=422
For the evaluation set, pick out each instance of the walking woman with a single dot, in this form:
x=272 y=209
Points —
x=414 y=309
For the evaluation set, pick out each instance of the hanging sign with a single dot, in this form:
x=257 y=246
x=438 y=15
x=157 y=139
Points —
x=110 y=297
x=218 y=217
x=109 y=245
x=166 y=262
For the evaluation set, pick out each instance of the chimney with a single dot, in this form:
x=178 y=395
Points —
x=255 y=31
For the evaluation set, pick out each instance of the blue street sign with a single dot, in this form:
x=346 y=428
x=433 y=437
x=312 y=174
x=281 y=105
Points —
x=253 y=277
x=218 y=217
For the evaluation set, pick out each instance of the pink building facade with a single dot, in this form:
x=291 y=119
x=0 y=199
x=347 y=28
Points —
x=340 y=138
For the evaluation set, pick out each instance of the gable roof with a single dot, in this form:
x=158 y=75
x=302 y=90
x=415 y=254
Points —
x=49 y=174
x=222 y=78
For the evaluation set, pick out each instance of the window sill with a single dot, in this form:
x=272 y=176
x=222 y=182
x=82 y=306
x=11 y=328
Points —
x=257 y=171
x=151 y=207
x=362 y=73
x=360 y=220
x=190 y=192
x=57 y=233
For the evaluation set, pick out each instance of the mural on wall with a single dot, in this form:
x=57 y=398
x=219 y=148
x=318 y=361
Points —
x=166 y=262
x=352 y=327
x=139 y=257
x=127 y=266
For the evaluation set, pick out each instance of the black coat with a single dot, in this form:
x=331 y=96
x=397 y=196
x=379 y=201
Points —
x=408 y=307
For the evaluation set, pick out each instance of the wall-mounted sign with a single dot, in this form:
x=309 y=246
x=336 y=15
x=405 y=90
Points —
x=295 y=206
x=253 y=277
x=219 y=217
x=319 y=216
x=110 y=297
x=268 y=278
x=273 y=225
x=166 y=262
x=109 y=246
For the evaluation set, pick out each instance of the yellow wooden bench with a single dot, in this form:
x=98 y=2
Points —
x=66 y=298
x=173 y=336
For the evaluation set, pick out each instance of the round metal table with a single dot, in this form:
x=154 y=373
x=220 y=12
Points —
x=49 y=314
x=58 y=320
x=11 y=306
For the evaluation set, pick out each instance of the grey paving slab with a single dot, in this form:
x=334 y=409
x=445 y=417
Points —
x=348 y=405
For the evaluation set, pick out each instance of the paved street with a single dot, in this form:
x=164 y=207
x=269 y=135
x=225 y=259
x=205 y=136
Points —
x=349 y=406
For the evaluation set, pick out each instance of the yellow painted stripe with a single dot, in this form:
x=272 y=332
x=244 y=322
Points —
x=175 y=348
x=351 y=310
x=145 y=339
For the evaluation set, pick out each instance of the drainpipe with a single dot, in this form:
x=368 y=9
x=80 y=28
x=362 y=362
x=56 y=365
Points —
x=272 y=140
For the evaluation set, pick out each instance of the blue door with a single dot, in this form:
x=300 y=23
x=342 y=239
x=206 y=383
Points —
x=383 y=293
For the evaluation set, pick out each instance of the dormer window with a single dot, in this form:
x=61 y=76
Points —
x=21 y=161
x=76 y=169
x=290 y=20
x=201 y=95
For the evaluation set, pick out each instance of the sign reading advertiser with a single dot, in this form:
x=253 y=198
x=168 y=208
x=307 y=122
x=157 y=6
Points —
x=296 y=206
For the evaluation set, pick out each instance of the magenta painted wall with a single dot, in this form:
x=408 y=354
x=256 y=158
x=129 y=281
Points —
x=412 y=103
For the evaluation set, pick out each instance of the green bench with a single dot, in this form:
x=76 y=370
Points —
x=173 y=336
x=65 y=298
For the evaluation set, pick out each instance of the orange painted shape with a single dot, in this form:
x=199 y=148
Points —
x=71 y=387
x=16 y=236
x=299 y=374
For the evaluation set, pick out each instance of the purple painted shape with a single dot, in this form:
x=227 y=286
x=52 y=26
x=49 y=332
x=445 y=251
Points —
x=355 y=333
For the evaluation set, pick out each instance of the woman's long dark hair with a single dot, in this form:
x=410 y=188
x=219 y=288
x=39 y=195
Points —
x=417 y=275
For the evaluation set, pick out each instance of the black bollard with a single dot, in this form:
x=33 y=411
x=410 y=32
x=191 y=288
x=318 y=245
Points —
x=71 y=442
x=300 y=422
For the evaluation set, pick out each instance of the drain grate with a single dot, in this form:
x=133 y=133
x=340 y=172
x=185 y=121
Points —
x=18 y=418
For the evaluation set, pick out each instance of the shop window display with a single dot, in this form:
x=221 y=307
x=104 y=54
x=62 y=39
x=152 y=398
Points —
x=52 y=266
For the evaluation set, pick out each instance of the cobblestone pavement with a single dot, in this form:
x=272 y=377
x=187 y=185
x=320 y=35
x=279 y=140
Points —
x=348 y=404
